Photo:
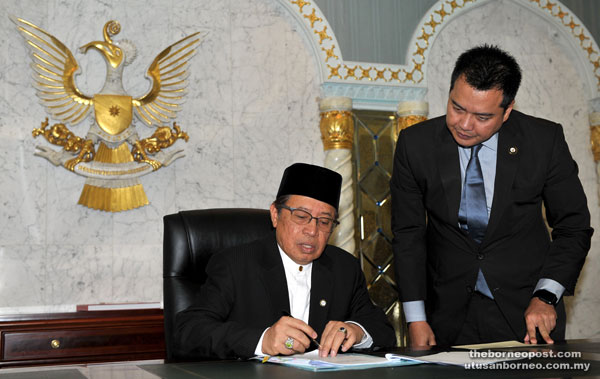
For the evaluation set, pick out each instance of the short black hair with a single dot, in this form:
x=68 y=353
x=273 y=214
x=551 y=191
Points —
x=280 y=202
x=488 y=67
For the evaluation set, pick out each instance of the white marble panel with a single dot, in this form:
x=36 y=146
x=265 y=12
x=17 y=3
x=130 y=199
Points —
x=160 y=188
x=23 y=189
x=260 y=156
x=137 y=273
x=205 y=176
x=23 y=280
x=302 y=81
x=142 y=226
x=210 y=90
x=78 y=274
x=304 y=136
x=255 y=9
x=552 y=89
x=258 y=72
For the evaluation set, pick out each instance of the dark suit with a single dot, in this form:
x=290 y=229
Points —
x=246 y=292
x=437 y=262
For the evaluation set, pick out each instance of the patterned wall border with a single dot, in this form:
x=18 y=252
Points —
x=335 y=70
x=350 y=76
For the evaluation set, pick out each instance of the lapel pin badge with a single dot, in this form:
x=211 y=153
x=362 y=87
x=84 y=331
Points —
x=513 y=150
x=323 y=302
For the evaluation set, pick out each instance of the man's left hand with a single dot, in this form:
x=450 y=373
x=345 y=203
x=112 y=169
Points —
x=541 y=316
x=332 y=338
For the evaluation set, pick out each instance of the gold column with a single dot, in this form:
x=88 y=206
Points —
x=337 y=133
x=595 y=141
x=410 y=113
x=595 y=135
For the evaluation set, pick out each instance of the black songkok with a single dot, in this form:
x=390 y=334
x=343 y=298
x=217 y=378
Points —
x=317 y=182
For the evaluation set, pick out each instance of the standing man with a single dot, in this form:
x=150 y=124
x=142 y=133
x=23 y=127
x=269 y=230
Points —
x=474 y=261
x=280 y=294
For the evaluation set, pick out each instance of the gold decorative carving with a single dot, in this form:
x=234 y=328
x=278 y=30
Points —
x=595 y=135
x=113 y=170
x=312 y=18
x=300 y=4
x=119 y=155
x=322 y=35
x=111 y=52
x=394 y=75
x=329 y=52
x=161 y=139
x=442 y=12
x=60 y=135
x=350 y=72
x=110 y=173
x=410 y=113
x=116 y=199
x=365 y=73
x=334 y=71
x=113 y=112
x=380 y=74
x=406 y=121
x=337 y=129
x=595 y=139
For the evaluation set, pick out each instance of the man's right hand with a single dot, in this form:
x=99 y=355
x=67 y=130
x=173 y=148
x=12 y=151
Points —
x=420 y=334
x=275 y=337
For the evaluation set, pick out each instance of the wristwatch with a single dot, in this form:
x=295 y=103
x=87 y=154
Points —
x=546 y=296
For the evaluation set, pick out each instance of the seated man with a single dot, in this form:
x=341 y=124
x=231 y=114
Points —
x=281 y=294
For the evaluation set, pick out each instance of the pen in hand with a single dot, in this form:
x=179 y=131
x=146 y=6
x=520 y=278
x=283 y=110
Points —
x=286 y=313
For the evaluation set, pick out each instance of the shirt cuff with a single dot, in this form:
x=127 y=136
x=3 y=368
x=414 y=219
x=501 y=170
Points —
x=414 y=310
x=258 y=350
x=366 y=341
x=550 y=285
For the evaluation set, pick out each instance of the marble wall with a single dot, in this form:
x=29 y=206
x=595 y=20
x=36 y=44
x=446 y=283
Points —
x=250 y=112
x=552 y=89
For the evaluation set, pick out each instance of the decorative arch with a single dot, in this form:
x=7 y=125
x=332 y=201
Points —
x=383 y=86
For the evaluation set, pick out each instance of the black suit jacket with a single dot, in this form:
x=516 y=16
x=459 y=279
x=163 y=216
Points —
x=435 y=261
x=246 y=292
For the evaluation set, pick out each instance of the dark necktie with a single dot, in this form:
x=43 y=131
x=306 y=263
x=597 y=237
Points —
x=472 y=215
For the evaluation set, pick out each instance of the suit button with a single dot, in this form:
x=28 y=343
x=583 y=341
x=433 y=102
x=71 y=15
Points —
x=480 y=257
x=469 y=289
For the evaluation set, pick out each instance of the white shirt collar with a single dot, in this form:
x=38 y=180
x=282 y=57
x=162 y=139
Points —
x=289 y=265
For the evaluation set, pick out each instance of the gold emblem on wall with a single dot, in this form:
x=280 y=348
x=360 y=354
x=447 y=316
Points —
x=111 y=156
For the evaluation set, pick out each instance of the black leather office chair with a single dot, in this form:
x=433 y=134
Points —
x=190 y=238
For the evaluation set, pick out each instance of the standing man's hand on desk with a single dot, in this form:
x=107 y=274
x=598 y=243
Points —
x=287 y=336
x=420 y=334
x=339 y=334
x=541 y=316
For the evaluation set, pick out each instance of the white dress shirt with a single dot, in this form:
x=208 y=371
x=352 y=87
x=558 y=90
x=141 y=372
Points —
x=298 y=278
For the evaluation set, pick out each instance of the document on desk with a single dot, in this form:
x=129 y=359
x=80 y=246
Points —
x=352 y=361
x=496 y=345
x=455 y=358
x=348 y=361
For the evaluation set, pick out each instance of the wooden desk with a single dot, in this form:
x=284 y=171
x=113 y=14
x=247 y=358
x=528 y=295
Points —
x=255 y=369
x=81 y=337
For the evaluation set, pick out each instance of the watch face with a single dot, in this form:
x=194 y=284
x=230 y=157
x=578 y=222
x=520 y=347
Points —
x=546 y=296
